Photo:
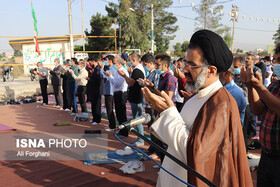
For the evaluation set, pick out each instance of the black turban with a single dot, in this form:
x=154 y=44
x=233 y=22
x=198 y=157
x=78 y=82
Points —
x=214 y=49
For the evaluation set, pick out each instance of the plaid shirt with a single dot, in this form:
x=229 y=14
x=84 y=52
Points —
x=270 y=127
x=153 y=77
x=167 y=82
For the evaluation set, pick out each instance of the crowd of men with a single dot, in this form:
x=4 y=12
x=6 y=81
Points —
x=203 y=107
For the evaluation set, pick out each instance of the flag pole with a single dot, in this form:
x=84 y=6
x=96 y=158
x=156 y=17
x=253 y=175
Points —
x=35 y=29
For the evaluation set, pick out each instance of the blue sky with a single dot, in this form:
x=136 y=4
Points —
x=52 y=16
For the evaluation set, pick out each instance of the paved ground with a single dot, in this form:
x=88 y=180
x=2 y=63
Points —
x=19 y=80
x=21 y=86
x=34 y=118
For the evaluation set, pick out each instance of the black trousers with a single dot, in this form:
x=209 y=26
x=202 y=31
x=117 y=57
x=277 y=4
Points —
x=81 y=93
x=246 y=125
x=109 y=102
x=65 y=95
x=96 y=108
x=120 y=99
x=268 y=170
x=44 y=91
x=87 y=92
x=57 y=94
x=66 y=103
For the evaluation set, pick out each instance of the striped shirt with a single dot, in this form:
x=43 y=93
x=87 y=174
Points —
x=270 y=126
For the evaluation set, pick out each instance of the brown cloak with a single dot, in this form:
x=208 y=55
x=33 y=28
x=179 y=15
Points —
x=216 y=147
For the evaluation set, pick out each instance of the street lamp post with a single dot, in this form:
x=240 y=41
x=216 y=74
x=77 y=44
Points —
x=83 y=26
x=152 y=25
x=120 y=35
x=152 y=28
x=70 y=28
x=234 y=18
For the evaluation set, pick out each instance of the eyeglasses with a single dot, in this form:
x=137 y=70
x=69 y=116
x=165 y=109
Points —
x=194 y=67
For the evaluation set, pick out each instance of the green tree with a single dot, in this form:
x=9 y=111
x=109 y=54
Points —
x=78 y=47
x=228 y=39
x=17 y=53
x=164 y=22
x=164 y=25
x=209 y=17
x=249 y=52
x=177 y=49
x=185 y=46
x=100 y=26
x=263 y=53
x=112 y=10
x=276 y=36
x=134 y=27
x=239 y=51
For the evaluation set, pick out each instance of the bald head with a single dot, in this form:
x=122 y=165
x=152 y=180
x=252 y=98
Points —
x=119 y=62
x=134 y=59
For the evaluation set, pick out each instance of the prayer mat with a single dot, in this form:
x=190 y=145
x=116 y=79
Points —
x=111 y=157
x=5 y=128
x=62 y=124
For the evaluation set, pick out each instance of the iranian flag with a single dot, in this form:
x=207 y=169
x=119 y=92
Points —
x=35 y=29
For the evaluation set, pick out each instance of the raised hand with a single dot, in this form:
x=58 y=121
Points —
x=148 y=83
x=100 y=64
x=121 y=73
x=107 y=73
x=141 y=81
x=186 y=94
x=159 y=103
x=248 y=78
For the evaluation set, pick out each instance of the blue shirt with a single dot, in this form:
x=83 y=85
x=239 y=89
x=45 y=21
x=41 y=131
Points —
x=153 y=77
x=238 y=95
x=238 y=82
x=108 y=87
x=124 y=56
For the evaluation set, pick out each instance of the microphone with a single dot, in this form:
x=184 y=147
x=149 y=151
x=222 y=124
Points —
x=145 y=118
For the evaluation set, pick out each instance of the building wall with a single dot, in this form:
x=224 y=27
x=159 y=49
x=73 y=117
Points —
x=8 y=54
x=48 y=54
x=19 y=60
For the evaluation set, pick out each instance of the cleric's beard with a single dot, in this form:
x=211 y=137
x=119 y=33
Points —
x=198 y=83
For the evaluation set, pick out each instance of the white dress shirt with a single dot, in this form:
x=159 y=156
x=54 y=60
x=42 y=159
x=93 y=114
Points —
x=118 y=82
x=82 y=77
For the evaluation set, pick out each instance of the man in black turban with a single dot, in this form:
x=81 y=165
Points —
x=207 y=133
x=214 y=52
x=214 y=49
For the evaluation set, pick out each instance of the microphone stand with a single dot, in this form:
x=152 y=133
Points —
x=172 y=157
